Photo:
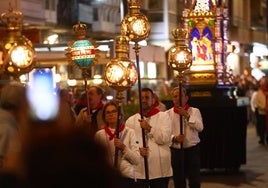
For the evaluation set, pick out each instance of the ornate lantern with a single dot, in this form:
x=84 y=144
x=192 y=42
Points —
x=135 y=25
x=17 y=51
x=179 y=56
x=81 y=52
x=120 y=72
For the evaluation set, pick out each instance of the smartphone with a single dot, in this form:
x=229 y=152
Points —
x=42 y=95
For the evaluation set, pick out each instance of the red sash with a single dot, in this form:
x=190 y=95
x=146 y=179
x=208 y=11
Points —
x=186 y=107
x=109 y=132
x=152 y=112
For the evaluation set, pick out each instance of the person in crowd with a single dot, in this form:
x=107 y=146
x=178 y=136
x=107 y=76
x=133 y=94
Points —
x=80 y=103
x=90 y=119
x=67 y=97
x=157 y=127
x=72 y=159
x=185 y=161
x=258 y=102
x=158 y=104
x=126 y=145
x=252 y=106
x=55 y=153
x=12 y=98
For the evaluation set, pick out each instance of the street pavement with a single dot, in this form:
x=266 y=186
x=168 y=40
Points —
x=253 y=174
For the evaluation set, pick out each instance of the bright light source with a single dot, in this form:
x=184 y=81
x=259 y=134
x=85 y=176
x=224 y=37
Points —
x=71 y=82
x=52 y=39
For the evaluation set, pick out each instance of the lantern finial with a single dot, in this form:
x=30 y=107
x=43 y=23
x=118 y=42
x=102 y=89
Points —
x=12 y=19
x=80 y=30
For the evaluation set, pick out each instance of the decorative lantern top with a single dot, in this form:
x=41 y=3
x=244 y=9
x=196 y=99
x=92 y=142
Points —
x=135 y=25
x=12 y=19
x=80 y=30
x=179 y=35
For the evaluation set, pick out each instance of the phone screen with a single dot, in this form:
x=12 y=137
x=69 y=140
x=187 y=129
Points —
x=42 y=96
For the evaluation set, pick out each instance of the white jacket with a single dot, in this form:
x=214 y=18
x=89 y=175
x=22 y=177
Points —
x=158 y=141
x=192 y=127
x=126 y=159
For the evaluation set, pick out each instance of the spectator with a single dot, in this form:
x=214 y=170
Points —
x=67 y=97
x=259 y=103
x=158 y=104
x=90 y=120
x=12 y=98
x=80 y=103
x=70 y=159
x=157 y=126
x=186 y=162
x=56 y=155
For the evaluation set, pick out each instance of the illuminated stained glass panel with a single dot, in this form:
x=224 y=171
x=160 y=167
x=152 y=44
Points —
x=202 y=47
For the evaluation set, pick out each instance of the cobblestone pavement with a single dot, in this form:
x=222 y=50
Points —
x=252 y=174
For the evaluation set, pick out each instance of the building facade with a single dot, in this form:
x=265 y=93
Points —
x=247 y=29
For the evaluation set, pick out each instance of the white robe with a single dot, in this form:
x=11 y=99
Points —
x=158 y=141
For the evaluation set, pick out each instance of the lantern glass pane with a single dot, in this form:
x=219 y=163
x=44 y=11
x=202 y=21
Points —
x=21 y=56
x=139 y=27
x=182 y=57
x=114 y=73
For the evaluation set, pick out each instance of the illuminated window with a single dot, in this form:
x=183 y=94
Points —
x=151 y=67
x=141 y=63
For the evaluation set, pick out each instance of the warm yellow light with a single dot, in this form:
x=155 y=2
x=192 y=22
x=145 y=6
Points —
x=21 y=56
x=97 y=79
x=120 y=73
x=71 y=82
x=114 y=73
x=139 y=27
x=135 y=25
x=181 y=57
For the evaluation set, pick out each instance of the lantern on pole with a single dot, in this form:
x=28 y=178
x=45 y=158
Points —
x=180 y=60
x=16 y=51
x=120 y=74
x=136 y=27
x=82 y=52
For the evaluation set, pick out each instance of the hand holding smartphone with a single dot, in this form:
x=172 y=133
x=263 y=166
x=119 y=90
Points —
x=42 y=96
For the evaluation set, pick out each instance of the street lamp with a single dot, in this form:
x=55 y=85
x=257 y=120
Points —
x=82 y=52
x=180 y=60
x=16 y=51
x=136 y=27
x=120 y=74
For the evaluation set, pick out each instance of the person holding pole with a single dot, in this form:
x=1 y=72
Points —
x=125 y=142
x=157 y=126
x=89 y=118
x=185 y=154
